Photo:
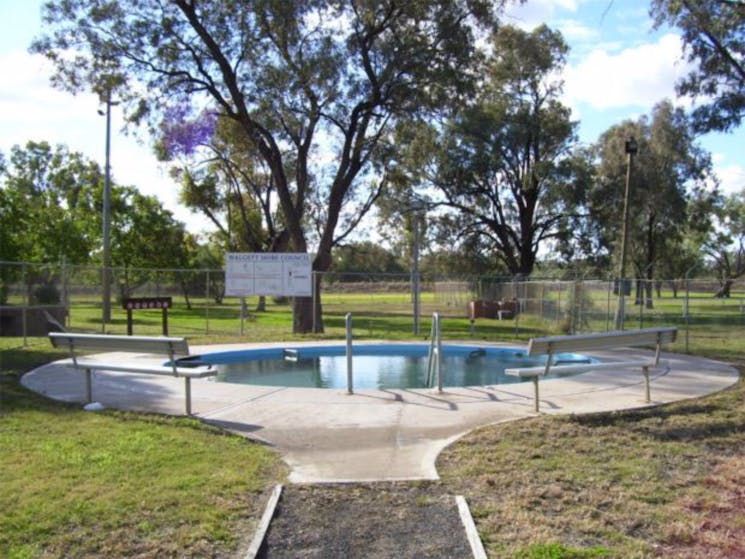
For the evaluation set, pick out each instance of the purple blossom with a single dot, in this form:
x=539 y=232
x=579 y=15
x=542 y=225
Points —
x=182 y=134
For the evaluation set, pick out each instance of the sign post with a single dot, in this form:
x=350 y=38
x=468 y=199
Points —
x=137 y=303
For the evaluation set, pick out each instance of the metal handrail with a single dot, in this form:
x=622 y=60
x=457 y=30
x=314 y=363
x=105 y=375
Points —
x=434 y=356
x=350 y=379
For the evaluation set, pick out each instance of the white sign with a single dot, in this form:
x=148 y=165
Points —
x=259 y=273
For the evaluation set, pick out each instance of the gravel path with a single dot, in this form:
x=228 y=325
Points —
x=380 y=520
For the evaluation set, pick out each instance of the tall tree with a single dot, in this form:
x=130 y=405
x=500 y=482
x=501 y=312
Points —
x=52 y=191
x=143 y=235
x=667 y=169
x=504 y=163
x=289 y=73
x=713 y=33
x=725 y=245
x=223 y=178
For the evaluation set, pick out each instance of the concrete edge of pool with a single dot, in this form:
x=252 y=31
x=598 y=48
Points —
x=326 y=435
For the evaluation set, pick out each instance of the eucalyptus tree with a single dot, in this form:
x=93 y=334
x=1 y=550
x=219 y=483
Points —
x=669 y=168
x=504 y=164
x=315 y=85
x=725 y=245
x=713 y=33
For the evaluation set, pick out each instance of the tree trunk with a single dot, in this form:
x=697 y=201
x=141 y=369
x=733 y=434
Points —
x=650 y=301
x=639 y=292
x=674 y=287
x=185 y=291
x=261 y=305
x=724 y=290
x=302 y=315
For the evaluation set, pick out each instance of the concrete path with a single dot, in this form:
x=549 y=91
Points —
x=328 y=435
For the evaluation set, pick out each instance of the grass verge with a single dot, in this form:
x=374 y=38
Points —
x=115 y=484
x=658 y=482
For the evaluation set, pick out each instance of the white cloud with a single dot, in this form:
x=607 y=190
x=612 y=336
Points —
x=533 y=13
x=30 y=109
x=638 y=76
x=574 y=30
x=731 y=177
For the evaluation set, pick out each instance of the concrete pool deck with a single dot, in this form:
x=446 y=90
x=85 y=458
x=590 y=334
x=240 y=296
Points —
x=328 y=435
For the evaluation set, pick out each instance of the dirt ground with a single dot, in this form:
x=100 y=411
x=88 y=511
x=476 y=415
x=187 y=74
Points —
x=380 y=520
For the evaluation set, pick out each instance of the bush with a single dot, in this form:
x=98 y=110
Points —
x=47 y=294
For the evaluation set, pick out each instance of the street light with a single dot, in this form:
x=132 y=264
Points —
x=630 y=147
x=416 y=207
x=106 y=272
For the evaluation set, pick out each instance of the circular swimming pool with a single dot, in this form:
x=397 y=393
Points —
x=374 y=365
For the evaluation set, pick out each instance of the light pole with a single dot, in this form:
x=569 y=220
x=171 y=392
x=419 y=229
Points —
x=415 y=280
x=106 y=272
x=630 y=147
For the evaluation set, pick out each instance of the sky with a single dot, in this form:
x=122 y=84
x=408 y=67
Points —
x=618 y=68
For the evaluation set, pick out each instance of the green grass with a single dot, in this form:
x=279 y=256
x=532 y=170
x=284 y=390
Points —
x=80 y=484
x=632 y=484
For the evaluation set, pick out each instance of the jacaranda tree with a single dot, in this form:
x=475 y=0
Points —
x=314 y=84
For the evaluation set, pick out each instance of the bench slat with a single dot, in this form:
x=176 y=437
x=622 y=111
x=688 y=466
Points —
x=132 y=344
x=192 y=372
x=580 y=368
x=588 y=342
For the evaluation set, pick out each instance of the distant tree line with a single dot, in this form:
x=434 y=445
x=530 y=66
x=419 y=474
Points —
x=291 y=123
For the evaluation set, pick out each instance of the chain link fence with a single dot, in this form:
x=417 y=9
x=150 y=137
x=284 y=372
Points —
x=35 y=297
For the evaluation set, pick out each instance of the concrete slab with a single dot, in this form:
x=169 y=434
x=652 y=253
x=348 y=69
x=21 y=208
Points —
x=329 y=435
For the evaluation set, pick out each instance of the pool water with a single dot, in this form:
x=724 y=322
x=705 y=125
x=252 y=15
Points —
x=374 y=366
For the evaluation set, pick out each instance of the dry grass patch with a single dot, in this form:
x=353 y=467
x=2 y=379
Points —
x=640 y=483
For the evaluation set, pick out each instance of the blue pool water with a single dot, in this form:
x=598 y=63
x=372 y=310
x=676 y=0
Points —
x=374 y=366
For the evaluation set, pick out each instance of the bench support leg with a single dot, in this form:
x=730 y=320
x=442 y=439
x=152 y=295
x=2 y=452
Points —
x=88 y=386
x=187 y=386
x=535 y=387
x=647 y=394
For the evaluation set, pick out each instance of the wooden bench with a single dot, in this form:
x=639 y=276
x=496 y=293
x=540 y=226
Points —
x=551 y=345
x=172 y=348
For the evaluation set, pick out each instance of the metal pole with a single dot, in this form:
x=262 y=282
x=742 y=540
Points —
x=243 y=308
x=106 y=306
x=415 y=273
x=314 y=287
x=644 y=283
x=631 y=149
x=438 y=356
x=687 y=301
x=350 y=378
x=607 y=310
x=207 y=306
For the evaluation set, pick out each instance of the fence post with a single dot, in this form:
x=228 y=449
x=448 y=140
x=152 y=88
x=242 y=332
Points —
x=607 y=312
x=314 y=288
x=642 y=302
x=516 y=294
x=207 y=304
x=687 y=301
x=65 y=293
x=26 y=301
x=243 y=308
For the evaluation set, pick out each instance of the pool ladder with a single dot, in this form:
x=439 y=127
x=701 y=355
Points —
x=434 y=356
